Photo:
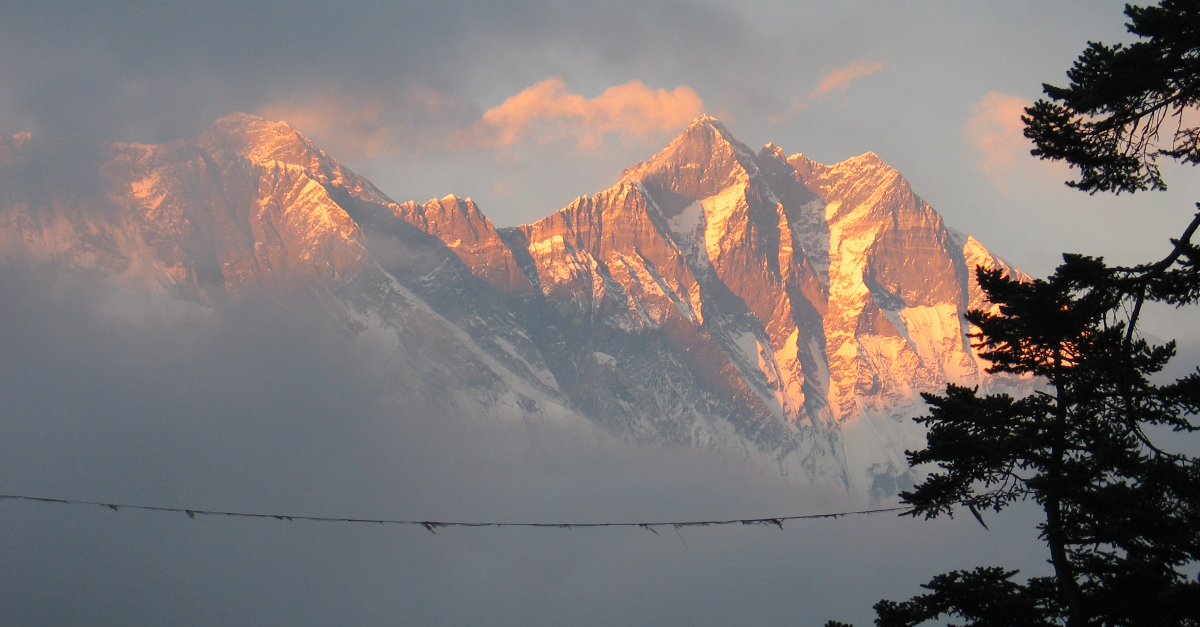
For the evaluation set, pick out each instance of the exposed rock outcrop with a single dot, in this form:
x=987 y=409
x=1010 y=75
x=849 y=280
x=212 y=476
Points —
x=713 y=296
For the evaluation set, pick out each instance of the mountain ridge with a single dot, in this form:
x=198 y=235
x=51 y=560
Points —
x=714 y=296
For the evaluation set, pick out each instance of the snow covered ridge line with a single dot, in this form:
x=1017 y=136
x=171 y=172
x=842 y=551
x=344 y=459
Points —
x=767 y=305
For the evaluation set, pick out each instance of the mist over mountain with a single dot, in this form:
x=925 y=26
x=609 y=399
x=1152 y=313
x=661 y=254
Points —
x=756 y=303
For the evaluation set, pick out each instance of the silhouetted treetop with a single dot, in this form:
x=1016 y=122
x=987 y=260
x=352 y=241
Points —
x=1127 y=105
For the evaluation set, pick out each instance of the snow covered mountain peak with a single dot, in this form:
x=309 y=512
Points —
x=279 y=144
x=714 y=296
x=703 y=158
x=263 y=140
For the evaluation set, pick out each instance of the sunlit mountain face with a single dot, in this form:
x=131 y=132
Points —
x=756 y=302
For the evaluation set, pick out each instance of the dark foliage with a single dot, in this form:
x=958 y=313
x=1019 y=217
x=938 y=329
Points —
x=987 y=597
x=1122 y=516
x=1125 y=104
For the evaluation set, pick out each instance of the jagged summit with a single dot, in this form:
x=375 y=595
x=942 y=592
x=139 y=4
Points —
x=712 y=124
x=237 y=119
x=704 y=158
x=705 y=118
x=867 y=160
x=704 y=131
x=258 y=138
x=280 y=145
x=714 y=296
x=771 y=149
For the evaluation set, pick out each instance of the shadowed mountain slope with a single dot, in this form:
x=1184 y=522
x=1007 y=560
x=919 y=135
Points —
x=714 y=296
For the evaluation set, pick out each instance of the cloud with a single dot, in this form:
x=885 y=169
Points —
x=417 y=118
x=269 y=406
x=995 y=134
x=995 y=130
x=265 y=405
x=792 y=111
x=832 y=80
x=147 y=71
x=546 y=112
x=343 y=124
x=363 y=124
x=839 y=79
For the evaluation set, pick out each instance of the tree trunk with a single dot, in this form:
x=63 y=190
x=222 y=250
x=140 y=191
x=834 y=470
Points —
x=1064 y=573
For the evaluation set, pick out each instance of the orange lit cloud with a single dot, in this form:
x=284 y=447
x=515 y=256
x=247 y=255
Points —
x=833 y=80
x=345 y=125
x=546 y=111
x=791 y=112
x=369 y=125
x=995 y=131
x=840 y=79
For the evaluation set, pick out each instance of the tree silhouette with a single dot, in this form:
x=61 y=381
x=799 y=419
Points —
x=1121 y=515
x=1127 y=106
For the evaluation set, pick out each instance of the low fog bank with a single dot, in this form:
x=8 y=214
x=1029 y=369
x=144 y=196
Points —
x=111 y=395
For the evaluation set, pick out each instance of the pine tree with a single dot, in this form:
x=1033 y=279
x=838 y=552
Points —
x=1125 y=107
x=1122 y=516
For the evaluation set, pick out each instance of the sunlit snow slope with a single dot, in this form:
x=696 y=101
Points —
x=764 y=304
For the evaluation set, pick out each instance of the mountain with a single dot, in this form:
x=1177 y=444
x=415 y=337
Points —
x=714 y=296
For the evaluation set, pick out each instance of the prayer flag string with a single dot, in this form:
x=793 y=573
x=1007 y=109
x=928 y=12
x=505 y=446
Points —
x=433 y=525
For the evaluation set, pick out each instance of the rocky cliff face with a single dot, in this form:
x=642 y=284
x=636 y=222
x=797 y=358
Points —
x=713 y=297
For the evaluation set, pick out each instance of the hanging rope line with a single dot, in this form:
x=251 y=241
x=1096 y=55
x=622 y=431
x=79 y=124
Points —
x=433 y=525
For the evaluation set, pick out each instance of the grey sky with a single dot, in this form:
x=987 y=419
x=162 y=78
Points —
x=257 y=408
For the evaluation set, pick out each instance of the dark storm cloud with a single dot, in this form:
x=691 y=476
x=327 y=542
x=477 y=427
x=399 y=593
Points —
x=258 y=406
x=149 y=71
